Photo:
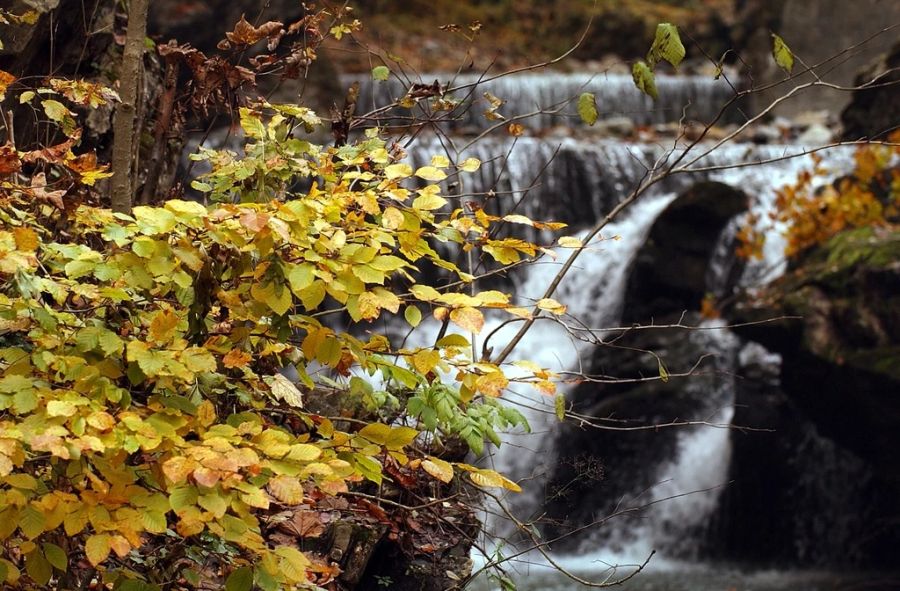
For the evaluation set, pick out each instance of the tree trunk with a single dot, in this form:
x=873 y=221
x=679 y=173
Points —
x=124 y=123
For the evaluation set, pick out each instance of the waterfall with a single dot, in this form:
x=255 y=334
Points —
x=582 y=181
x=698 y=98
x=594 y=290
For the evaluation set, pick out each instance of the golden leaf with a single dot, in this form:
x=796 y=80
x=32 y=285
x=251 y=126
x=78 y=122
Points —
x=286 y=489
x=438 y=468
x=492 y=383
x=468 y=318
x=283 y=389
x=552 y=306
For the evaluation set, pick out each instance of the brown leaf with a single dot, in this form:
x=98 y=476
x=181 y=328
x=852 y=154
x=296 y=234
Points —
x=246 y=34
x=38 y=184
x=53 y=154
x=9 y=159
x=305 y=524
x=236 y=358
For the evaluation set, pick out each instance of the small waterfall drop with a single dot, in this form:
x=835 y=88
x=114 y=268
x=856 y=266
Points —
x=549 y=95
x=594 y=290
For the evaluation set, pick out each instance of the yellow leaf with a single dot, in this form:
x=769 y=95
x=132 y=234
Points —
x=413 y=316
x=440 y=161
x=100 y=420
x=489 y=478
x=426 y=360
x=387 y=299
x=286 y=489
x=459 y=300
x=551 y=306
x=178 y=468
x=546 y=387
x=26 y=239
x=97 y=548
x=292 y=563
x=520 y=312
x=425 y=292
x=430 y=173
x=283 y=389
x=470 y=319
x=394 y=438
x=492 y=383
x=398 y=171
x=162 y=327
x=120 y=546
x=570 y=242
x=368 y=305
x=90 y=177
x=429 y=202
x=518 y=219
x=470 y=164
x=438 y=468
x=392 y=218
x=304 y=452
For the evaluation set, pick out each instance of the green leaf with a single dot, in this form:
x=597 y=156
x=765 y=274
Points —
x=560 y=406
x=644 y=79
x=55 y=110
x=183 y=496
x=380 y=73
x=369 y=467
x=587 y=108
x=783 y=55
x=38 y=568
x=240 y=579
x=56 y=556
x=251 y=124
x=413 y=316
x=32 y=522
x=667 y=45
x=663 y=372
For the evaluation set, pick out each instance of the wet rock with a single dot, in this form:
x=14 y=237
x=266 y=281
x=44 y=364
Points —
x=841 y=350
x=615 y=461
x=16 y=38
x=816 y=30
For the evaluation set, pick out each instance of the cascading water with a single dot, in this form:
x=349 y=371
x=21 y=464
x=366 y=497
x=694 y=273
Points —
x=546 y=93
x=584 y=180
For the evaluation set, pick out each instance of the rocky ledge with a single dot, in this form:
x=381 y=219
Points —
x=839 y=337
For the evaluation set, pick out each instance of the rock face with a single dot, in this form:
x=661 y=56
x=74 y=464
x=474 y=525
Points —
x=795 y=496
x=841 y=360
x=815 y=30
x=874 y=110
x=669 y=274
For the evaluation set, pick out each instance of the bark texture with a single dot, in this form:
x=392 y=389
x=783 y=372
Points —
x=126 y=113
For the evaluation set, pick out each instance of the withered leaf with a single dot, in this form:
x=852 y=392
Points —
x=246 y=34
x=305 y=524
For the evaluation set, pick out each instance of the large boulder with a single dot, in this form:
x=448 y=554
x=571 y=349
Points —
x=794 y=496
x=840 y=340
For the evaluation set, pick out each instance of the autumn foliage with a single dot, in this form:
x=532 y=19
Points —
x=810 y=215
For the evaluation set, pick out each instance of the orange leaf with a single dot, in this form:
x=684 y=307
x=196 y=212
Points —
x=468 y=318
